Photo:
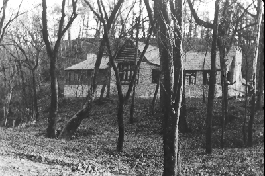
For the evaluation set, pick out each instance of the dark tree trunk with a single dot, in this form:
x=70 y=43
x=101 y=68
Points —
x=203 y=88
x=251 y=119
x=102 y=91
x=53 y=54
x=35 y=99
x=203 y=95
x=183 y=125
x=72 y=125
x=76 y=120
x=246 y=112
x=253 y=100
x=108 y=82
x=261 y=69
x=120 y=124
x=25 y=100
x=224 y=89
x=131 y=120
x=135 y=60
x=154 y=98
x=171 y=85
x=211 y=93
x=54 y=98
x=224 y=107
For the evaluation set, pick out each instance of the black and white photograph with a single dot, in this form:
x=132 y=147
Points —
x=131 y=88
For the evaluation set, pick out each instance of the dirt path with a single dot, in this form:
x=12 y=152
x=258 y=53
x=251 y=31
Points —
x=13 y=166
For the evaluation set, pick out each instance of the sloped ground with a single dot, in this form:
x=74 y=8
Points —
x=14 y=166
x=26 y=151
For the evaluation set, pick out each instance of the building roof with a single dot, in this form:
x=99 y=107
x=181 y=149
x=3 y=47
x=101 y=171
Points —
x=199 y=61
x=151 y=54
x=89 y=63
x=192 y=60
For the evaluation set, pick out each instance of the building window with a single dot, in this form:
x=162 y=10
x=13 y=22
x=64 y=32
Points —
x=126 y=70
x=155 y=75
x=190 y=77
x=206 y=77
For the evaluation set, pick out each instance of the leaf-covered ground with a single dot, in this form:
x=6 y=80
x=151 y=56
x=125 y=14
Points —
x=93 y=148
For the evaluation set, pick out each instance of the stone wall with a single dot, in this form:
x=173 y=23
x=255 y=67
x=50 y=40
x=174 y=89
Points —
x=80 y=90
x=145 y=88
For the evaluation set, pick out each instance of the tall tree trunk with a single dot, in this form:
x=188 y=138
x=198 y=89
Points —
x=53 y=54
x=154 y=98
x=120 y=124
x=7 y=103
x=246 y=111
x=171 y=84
x=203 y=88
x=72 y=125
x=108 y=82
x=253 y=100
x=224 y=48
x=183 y=125
x=24 y=93
x=135 y=60
x=35 y=99
x=261 y=68
x=76 y=120
x=54 y=97
x=224 y=90
x=131 y=120
x=211 y=93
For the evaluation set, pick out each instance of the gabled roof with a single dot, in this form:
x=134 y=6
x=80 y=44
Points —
x=151 y=54
x=89 y=63
x=191 y=61
x=199 y=61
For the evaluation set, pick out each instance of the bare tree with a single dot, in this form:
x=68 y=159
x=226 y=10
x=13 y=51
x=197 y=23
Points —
x=135 y=57
x=228 y=28
x=169 y=35
x=211 y=93
x=52 y=51
x=254 y=78
x=106 y=22
x=4 y=23
x=169 y=30
x=152 y=108
x=29 y=44
x=246 y=94
x=9 y=77
x=83 y=113
x=261 y=68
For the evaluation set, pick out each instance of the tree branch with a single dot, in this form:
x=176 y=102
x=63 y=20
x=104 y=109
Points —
x=252 y=15
x=197 y=19
x=149 y=11
x=95 y=13
x=45 y=32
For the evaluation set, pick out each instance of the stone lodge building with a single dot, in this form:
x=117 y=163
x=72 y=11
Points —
x=196 y=69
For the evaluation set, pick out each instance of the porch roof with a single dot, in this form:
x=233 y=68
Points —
x=89 y=63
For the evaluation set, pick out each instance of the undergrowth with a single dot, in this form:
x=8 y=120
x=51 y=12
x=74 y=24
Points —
x=95 y=141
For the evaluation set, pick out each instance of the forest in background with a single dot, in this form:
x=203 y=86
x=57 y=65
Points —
x=36 y=46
